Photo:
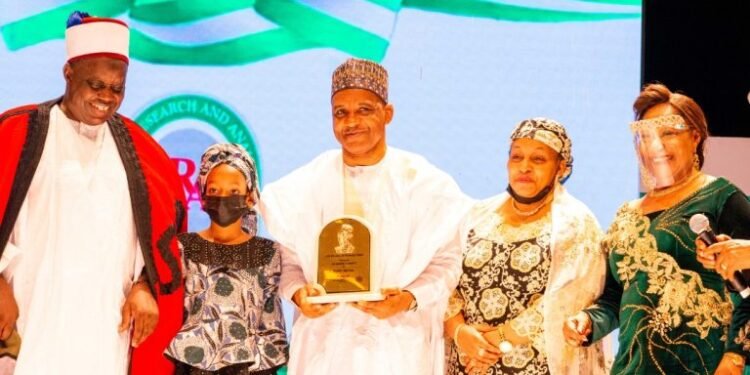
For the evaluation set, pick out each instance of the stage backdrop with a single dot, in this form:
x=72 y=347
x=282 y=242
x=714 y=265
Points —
x=463 y=73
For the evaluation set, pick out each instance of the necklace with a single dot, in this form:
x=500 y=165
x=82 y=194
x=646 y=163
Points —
x=522 y=213
x=673 y=188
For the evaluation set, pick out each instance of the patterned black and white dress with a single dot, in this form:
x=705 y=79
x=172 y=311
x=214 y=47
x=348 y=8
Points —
x=505 y=273
x=233 y=320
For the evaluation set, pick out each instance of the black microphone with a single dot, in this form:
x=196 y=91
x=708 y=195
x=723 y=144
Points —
x=700 y=226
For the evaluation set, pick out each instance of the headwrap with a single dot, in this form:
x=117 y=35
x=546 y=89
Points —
x=236 y=157
x=361 y=74
x=88 y=36
x=552 y=134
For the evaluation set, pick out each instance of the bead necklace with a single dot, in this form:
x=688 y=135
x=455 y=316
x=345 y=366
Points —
x=522 y=213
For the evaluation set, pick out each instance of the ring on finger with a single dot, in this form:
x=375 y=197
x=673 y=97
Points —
x=481 y=352
x=724 y=266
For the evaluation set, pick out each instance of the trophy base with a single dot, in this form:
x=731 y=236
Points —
x=346 y=297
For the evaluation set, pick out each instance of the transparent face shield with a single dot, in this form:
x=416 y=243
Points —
x=654 y=138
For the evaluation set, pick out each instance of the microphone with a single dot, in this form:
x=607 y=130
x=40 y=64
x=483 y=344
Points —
x=700 y=226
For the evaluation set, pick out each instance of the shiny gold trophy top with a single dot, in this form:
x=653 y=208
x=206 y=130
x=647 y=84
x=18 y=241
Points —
x=345 y=262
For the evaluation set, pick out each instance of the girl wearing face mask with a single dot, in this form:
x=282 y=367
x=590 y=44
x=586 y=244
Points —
x=234 y=323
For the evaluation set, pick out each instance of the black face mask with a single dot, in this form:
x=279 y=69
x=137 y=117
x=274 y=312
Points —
x=225 y=210
x=529 y=200
x=539 y=196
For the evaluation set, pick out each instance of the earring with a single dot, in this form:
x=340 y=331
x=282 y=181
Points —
x=696 y=162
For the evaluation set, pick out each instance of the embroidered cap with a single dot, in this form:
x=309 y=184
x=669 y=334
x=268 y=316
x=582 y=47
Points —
x=361 y=74
x=88 y=36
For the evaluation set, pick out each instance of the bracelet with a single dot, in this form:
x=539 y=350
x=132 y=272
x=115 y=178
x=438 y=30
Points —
x=500 y=332
x=455 y=333
x=505 y=346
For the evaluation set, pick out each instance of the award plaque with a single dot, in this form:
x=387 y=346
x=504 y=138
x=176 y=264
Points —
x=345 y=262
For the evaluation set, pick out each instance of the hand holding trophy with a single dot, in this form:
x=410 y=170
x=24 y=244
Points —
x=345 y=263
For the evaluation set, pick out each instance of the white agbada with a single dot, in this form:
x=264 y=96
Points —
x=414 y=210
x=73 y=254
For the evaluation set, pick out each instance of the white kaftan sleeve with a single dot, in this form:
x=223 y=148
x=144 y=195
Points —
x=139 y=262
x=12 y=252
x=7 y=261
x=292 y=277
x=280 y=205
x=439 y=279
x=438 y=207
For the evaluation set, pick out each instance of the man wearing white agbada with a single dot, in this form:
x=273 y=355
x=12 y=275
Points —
x=90 y=206
x=413 y=210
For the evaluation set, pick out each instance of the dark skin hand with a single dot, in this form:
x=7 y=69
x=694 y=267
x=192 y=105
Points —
x=475 y=352
x=8 y=310
x=726 y=256
x=396 y=301
x=139 y=312
x=311 y=310
x=577 y=328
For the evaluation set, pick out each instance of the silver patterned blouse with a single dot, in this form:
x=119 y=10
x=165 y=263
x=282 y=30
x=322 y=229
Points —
x=233 y=311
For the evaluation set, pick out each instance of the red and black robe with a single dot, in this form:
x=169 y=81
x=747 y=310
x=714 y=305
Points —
x=158 y=202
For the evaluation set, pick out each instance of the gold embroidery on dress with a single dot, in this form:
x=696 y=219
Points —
x=525 y=257
x=679 y=296
x=519 y=357
x=681 y=292
x=493 y=303
x=498 y=231
x=660 y=323
x=479 y=254
x=583 y=244
x=743 y=337
x=528 y=324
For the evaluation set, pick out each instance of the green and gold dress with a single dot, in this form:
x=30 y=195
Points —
x=674 y=315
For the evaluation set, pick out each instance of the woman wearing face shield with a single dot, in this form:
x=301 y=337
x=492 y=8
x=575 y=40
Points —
x=531 y=258
x=674 y=315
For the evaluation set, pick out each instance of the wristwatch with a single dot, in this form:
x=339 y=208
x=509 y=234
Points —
x=505 y=346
